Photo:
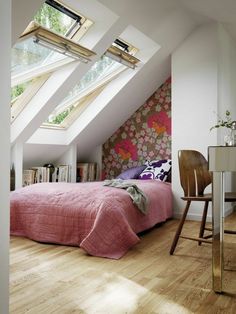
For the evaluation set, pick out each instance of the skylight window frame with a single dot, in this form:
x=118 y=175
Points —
x=81 y=97
x=40 y=71
x=59 y=41
x=83 y=23
x=132 y=50
x=121 y=56
x=121 y=51
x=118 y=54
x=40 y=74
x=58 y=5
x=18 y=104
x=75 y=35
x=96 y=84
x=81 y=105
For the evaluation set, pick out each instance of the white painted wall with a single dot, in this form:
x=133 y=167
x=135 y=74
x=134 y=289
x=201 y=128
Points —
x=22 y=13
x=69 y=158
x=169 y=27
x=38 y=155
x=17 y=162
x=94 y=155
x=194 y=100
x=226 y=86
x=227 y=75
x=5 y=35
x=203 y=88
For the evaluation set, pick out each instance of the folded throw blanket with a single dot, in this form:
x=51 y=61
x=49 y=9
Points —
x=137 y=195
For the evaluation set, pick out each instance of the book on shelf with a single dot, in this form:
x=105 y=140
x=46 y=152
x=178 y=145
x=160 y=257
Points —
x=33 y=175
x=42 y=174
x=29 y=176
x=61 y=174
x=86 y=171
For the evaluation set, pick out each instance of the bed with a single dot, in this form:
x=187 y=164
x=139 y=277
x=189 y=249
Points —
x=100 y=219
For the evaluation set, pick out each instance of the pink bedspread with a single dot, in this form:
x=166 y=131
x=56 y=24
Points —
x=102 y=220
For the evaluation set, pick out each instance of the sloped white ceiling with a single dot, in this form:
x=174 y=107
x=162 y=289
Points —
x=217 y=10
x=22 y=12
x=166 y=22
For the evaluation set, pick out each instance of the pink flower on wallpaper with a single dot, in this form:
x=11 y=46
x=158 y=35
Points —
x=126 y=149
x=160 y=122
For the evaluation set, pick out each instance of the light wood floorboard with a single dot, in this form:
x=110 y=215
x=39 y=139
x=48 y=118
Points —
x=57 y=279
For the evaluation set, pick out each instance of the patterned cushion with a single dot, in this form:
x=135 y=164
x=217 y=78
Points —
x=131 y=173
x=156 y=169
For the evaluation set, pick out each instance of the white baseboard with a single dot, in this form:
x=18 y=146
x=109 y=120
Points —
x=198 y=217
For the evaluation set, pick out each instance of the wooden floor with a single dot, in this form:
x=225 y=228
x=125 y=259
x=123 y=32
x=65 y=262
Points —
x=58 y=279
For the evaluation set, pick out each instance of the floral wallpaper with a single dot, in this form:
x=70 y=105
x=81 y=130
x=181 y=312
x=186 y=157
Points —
x=146 y=135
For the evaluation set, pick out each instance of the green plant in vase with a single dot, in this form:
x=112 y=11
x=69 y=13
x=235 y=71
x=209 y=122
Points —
x=227 y=122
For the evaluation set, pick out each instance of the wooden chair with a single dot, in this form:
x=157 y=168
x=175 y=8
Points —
x=194 y=178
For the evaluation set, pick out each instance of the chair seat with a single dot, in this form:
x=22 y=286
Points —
x=229 y=197
x=202 y=198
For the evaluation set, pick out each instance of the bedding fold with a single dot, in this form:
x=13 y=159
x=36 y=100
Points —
x=136 y=194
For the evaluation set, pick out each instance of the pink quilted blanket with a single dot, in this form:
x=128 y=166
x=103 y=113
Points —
x=100 y=219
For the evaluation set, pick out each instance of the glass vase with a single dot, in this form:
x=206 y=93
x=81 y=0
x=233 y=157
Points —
x=230 y=138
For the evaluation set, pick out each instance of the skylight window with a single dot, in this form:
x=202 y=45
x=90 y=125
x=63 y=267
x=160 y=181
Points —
x=100 y=74
x=21 y=94
x=101 y=69
x=32 y=54
x=17 y=90
x=123 y=52
x=39 y=51
x=28 y=55
x=115 y=60
x=57 y=17
x=123 y=45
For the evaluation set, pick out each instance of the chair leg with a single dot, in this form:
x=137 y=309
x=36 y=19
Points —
x=203 y=223
x=180 y=227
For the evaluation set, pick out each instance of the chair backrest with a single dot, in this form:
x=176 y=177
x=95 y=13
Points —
x=194 y=174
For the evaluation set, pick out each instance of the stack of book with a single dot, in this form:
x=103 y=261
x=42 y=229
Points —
x=61 y=174
x=29 y=177
x=42 y=174
x=86 y=171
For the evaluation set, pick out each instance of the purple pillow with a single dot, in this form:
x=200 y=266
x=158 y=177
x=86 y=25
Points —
x=157 y=169
x=131 y=173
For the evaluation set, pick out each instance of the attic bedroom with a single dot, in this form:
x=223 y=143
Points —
x=112 y=113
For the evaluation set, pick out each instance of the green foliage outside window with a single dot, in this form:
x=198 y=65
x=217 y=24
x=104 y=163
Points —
x=53 y=19
x=50 y=18
x=61 y=116
x=18 y=90
x=26 y=55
